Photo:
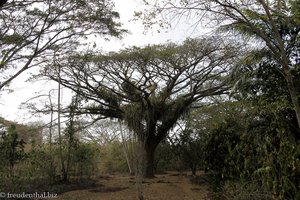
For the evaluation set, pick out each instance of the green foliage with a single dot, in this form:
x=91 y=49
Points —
x=86 y=160
x=280 y=171
x=31 y=30
x=11 y=150
x=108 y=97
x=112 y=158
x=37 y=165
x=11 y=155
x=12 y=39
x=260 y=155
x=220 y=145
x=267 y=166
x=134 y=114
x=188 y=147
x=164 y=157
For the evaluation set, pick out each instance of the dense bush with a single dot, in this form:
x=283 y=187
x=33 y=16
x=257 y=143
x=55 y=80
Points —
x=258 y=159
x=26 y=167
x=112 y=157
x=164 y=158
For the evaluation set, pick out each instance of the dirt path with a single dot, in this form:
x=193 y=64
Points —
x=171 y=186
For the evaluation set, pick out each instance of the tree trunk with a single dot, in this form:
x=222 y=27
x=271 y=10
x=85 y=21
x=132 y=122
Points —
x=126 y=150
x=194 y=170
x=63 y=169
x=293 y=94
x=150 y=152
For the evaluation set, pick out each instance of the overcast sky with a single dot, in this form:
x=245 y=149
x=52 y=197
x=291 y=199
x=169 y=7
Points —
x=22 y=91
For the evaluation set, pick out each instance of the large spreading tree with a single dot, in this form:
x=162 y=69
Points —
x=148 y=88
x=32 y=32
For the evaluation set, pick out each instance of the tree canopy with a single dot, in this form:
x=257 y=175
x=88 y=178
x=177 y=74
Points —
x=33 y=32
x=274 y=25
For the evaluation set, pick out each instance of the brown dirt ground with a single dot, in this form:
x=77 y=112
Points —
x=170 y=186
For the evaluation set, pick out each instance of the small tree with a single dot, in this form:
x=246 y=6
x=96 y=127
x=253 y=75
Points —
x=12 y=149
x=86 y=159
x=190 y=148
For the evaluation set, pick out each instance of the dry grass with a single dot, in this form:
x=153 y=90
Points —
x=170 y=186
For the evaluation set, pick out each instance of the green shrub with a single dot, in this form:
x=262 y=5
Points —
x=112 y=158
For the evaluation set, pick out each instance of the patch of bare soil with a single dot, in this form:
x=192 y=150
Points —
x=170 y=186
